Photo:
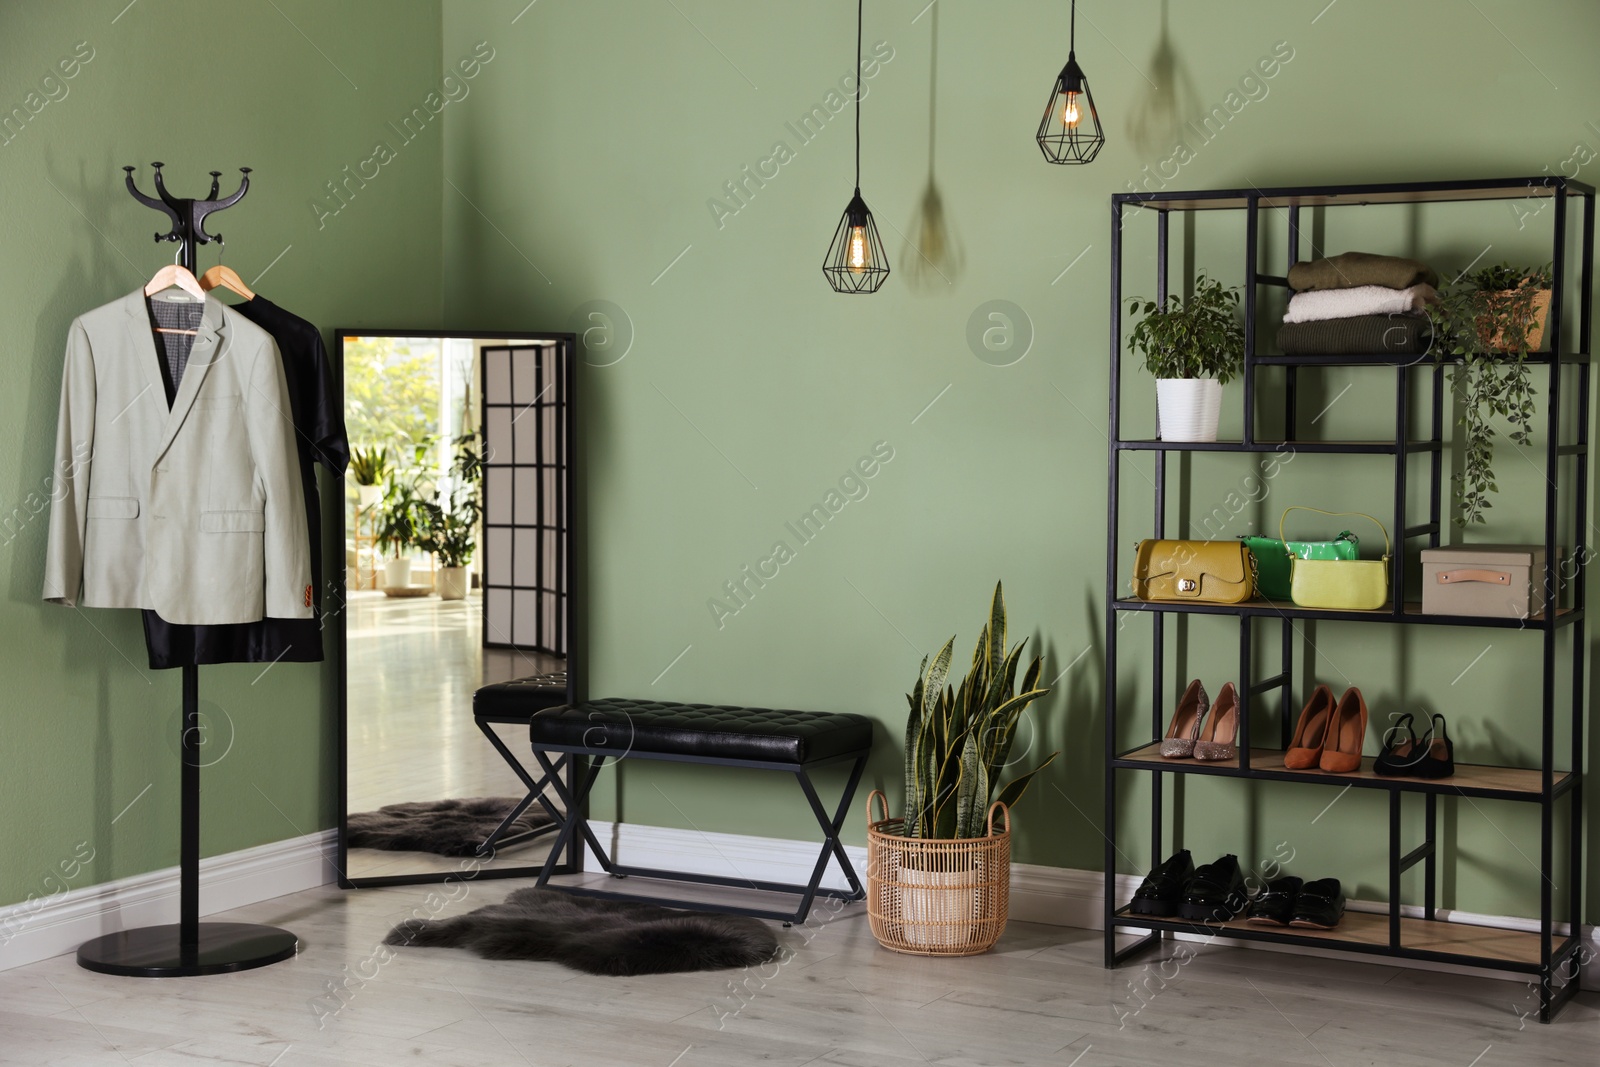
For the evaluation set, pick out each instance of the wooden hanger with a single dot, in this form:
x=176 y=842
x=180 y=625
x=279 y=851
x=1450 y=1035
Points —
x=225 y=277
x=174 y=274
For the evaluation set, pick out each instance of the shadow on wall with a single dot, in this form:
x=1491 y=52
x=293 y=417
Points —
x=1153 y=121
x=937 y=256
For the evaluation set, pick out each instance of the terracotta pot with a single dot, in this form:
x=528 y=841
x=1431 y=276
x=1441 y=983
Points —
x=1538 y=312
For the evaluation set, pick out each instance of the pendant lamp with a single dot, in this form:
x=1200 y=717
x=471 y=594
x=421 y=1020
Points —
x=857 y=261
x=1070 y=131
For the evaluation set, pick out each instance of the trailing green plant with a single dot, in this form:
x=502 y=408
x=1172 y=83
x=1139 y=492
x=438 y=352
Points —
x=448 y=524
x=958 y=740
x=1484 y=325
x=1202 y=337
x=370 y=465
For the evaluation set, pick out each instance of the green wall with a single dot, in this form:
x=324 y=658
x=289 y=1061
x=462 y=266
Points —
x=573 y=177
x=296 y=90
x=750 y=388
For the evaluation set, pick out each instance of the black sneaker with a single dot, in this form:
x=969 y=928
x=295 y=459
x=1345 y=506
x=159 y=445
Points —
x=1162 y=888
x=1216 y=894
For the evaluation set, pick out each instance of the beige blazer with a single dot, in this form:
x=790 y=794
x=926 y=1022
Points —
x=195 y=512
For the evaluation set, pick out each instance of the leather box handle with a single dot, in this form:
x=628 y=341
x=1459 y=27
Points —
x=1492 y=577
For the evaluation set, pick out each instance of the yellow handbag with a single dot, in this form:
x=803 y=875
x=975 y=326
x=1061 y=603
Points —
x=1214 y=572
x=1345 y=584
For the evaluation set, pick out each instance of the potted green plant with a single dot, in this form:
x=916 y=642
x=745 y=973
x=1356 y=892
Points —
x=399 y=525
x=369 y=466
x=1488 y=324
x=939 y=876
x=1193 y=347
x=449 y=523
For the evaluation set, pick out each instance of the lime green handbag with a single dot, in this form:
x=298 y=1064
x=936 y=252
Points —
x=1345 y=584
x=1272 y=558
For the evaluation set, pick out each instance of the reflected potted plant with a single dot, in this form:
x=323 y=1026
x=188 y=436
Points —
x=448 y=525
x=369 y=467
x=400 y=516
x=939 y=876
x=1193 y=347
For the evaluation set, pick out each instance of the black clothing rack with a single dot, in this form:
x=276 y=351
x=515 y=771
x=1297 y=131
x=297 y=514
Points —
x=189 y=947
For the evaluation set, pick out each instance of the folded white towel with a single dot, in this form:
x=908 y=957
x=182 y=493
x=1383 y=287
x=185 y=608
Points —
x=1319 y=305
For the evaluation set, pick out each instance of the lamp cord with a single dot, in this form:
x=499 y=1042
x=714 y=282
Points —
x=859 y=7
x=1072 y=40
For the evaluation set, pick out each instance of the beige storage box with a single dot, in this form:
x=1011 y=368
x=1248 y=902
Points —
x=1506 y=581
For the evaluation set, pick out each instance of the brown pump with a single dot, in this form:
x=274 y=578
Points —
x=1305 y=750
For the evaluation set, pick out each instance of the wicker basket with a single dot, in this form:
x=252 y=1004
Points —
x=938 y=897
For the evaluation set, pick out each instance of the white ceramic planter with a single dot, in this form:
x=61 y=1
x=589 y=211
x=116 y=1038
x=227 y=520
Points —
x=452 y=583
x=368 y=495
x=1187 y=409
x=397 y=573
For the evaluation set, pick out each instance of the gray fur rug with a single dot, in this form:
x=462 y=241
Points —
x=443 y=827
x=610 y=937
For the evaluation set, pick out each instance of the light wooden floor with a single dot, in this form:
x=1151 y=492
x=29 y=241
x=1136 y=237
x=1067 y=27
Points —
x=1041 y=997
x=414 y=665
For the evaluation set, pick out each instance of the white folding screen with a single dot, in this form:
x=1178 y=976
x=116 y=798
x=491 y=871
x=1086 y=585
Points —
x=526 y=510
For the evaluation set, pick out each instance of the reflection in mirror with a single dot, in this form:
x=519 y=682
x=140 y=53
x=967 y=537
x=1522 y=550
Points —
x=457 y=522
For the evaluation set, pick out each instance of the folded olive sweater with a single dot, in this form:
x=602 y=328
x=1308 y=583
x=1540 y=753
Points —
x=1363 y=335
x=1360 y=268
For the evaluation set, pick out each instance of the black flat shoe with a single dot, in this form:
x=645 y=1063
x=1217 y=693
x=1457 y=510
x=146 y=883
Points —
x=1274 y=905
x=1163 y=887
x=1320 y=905
x=1404 y=754
x=1216 y=893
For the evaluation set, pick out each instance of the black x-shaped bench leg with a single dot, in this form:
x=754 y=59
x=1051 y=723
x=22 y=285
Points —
x=535 y=792
x=576 y=821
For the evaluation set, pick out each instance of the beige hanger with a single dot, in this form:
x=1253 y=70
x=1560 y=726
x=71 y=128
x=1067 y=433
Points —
x=226 y=277
x=168 y=276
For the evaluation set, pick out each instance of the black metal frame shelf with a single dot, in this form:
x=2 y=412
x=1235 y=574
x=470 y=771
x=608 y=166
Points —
x=1548 y=952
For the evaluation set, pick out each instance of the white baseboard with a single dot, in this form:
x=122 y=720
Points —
x=1057 y=896
x=43 y=927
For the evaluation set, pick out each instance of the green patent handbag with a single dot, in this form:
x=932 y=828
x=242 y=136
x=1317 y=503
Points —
x=1272 y=558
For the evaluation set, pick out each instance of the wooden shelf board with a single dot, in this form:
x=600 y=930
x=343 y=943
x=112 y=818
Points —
x=1412 y=613
x=1469 y=777
x=1367 y=928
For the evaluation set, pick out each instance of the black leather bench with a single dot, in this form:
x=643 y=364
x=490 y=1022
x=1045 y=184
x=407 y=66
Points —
x=516 y=702
x=794 y=742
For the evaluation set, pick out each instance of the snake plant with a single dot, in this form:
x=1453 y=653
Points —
x=958 y=740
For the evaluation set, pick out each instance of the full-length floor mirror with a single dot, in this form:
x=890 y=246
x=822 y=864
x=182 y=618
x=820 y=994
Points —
x=457 y=540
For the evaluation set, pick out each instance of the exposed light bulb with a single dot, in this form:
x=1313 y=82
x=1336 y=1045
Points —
x=1069 y=111
x=858 y=249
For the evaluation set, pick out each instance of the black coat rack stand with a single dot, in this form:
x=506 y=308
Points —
x=189 y=947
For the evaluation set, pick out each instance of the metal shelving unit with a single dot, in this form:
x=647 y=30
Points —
x=1550 y=954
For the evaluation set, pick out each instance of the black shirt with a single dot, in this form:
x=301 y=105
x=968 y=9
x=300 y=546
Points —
x=320 y=435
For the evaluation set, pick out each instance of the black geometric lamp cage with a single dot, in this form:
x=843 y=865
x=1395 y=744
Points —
x=1070 y=131
x=857 y=261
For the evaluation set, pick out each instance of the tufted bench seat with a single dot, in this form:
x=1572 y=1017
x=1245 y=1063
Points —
x=795 y=742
